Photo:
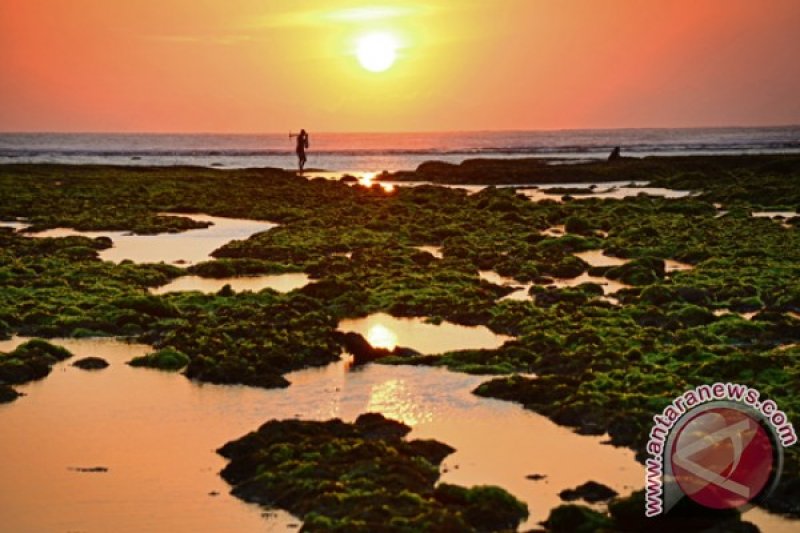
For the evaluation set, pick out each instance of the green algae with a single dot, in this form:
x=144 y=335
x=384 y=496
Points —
x=361 y=477
x=602 y=366
x=168 y=359
x=29 y=361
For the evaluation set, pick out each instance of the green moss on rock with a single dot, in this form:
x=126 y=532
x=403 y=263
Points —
x=168 y=359
x=360 y=477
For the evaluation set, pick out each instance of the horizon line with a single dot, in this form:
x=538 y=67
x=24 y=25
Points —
x=392 y=132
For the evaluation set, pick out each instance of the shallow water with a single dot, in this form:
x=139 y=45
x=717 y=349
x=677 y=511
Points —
x=608 y=189
x=596 y=258
x=279 y=282
x=613 y=189
x=774 y=214
x=671 y=265
x=555 y=231
x=363 y=177
x=15 y=224
x=609 y=286
x=385 y=331
x=725 y=312
x=156 y=433
x=521 y=293
x=435 y=251
x=184 y=248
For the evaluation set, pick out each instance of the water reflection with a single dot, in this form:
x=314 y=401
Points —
x=555 y=231
x=596 y=258
x=379 y=336
x=521 y=289
x=435 y=251
x=278 y=282
x=394 y=399
x=727 y=312
x=774 y=214
x=184 y=248
x=15 y=224
x=671 y=265
x=609 y=286
x=362 y=177
x=382 y=330
x=613 y=189
x=156 y=432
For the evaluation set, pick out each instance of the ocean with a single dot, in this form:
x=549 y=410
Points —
x=383 y=151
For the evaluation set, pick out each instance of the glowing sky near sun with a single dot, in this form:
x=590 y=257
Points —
x=256 y=65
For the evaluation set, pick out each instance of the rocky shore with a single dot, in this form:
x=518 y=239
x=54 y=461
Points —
x=604 y=363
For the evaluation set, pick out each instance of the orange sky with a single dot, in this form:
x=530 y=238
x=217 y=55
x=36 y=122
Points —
x=273 y=65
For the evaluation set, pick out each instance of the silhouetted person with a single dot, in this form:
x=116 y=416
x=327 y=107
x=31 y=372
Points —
x=302 y=144
x=615 y=154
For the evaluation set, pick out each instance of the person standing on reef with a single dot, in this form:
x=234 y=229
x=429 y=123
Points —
x=302 y=144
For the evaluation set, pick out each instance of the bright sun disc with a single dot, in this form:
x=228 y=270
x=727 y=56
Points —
x=377 y=51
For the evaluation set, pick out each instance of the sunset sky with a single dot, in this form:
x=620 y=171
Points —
x=271 y=65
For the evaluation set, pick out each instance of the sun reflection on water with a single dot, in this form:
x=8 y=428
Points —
x=394 y=399
x=379 y=336
x=367 y=179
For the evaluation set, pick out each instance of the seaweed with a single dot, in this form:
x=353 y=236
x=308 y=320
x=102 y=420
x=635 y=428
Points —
x=360 y=477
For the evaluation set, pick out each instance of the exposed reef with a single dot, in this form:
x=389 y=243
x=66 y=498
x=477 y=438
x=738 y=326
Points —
x=361 y=477
x=168 y=359
x=605 y=362
x=91 y=363
x=30 y=361
x=626 y=514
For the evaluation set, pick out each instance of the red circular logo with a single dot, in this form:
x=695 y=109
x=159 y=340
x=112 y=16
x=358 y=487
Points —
x=722 y=458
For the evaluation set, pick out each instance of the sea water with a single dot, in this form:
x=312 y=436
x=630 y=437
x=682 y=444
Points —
x=383 y=151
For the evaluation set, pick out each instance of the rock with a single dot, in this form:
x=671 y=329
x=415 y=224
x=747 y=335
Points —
x=576 y=518
x=168 y=359
x=8 y=394
x=91 y=363
x=403 y=351
x=377 y=426
x=536 y=477
x=687 y=515
x=362 y=473
x=90 y=469
x=347 y=178
x=30 y=361
x=432 y=450
x=785 y=499
x=591 y=491
x=616 y=154
x=363 y=352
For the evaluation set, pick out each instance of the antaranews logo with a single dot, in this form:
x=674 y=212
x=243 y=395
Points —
x=719 y=445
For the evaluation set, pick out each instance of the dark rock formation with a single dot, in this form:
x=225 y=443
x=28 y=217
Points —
x=8 y=394
x=591 y=491
x=361 y=477
x=91 y=363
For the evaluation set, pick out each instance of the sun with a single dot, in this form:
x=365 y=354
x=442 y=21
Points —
x=377 y=51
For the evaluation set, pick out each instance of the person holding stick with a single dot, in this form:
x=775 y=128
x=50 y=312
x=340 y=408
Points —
x=302 y=145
